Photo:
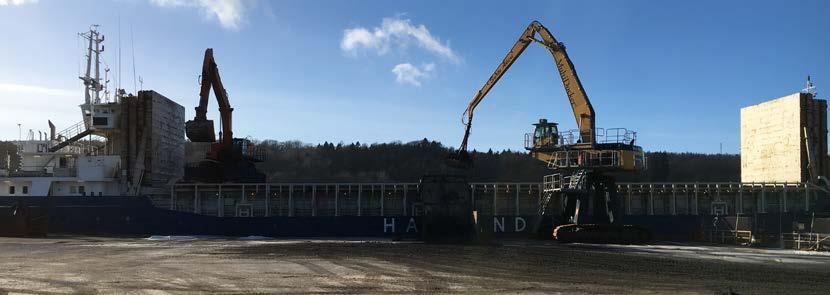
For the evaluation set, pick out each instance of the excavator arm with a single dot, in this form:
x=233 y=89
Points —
x=582 y=109
x=230 y=159
x=200 y=129
x=579 y=167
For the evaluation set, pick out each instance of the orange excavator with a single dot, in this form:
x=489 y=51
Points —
x=229 y=159
x=583 y=161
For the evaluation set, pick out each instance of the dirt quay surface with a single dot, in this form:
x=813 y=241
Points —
x=216 y=265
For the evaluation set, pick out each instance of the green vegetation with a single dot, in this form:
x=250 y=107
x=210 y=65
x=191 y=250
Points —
x=293 y=161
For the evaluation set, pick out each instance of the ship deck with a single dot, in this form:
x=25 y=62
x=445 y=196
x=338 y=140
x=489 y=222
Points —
x=163 y=265
x=491 y=198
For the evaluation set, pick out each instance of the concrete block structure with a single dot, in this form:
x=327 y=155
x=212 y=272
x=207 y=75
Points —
x=773 y=147
x=152 y=130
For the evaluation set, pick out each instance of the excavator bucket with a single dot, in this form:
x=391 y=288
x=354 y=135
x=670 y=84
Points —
x=200 y=130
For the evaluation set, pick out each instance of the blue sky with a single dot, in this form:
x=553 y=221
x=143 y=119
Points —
x=677 y=72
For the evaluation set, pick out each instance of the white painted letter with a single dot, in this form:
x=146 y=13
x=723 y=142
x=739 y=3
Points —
x=388 y=225
x=412 y=225
x=498 y=226
x=524 y=224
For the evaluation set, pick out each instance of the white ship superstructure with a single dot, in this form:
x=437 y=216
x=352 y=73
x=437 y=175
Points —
x=126 y=145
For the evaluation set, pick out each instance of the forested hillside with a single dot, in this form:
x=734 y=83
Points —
x=293 y=161
x=405 y=162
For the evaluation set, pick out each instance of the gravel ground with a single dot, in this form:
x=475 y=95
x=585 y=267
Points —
x=164 y=265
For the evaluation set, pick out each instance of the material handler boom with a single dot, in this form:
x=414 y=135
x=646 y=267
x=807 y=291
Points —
x=580 y=104
x=581 y=160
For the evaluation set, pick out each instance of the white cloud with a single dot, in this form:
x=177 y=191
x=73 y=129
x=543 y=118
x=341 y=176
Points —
x=407 y=73
x=229 y=13
x=397 y=32
x=16 y=2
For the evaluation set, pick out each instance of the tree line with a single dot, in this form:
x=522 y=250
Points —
x=294 y=161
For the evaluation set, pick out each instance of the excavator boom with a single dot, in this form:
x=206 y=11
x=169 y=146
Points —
x=580 y=163
x=200 y=129
x=582 y=109
x=230 y=159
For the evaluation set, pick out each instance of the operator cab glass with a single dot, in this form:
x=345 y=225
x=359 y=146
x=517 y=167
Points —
x=546 y=133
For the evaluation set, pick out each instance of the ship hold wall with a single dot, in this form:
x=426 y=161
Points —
x=773 y=145
x=154 y=127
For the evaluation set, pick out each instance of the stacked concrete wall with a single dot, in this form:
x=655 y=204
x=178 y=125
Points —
x=154 y=129
x=772 y=139
x=167 y=140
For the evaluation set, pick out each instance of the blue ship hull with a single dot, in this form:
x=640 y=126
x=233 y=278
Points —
x=40 y=216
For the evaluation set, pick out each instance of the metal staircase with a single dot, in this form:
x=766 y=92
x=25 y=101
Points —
x=72 y=134
x=576 y=180
x=554 y=184
x=557 y=182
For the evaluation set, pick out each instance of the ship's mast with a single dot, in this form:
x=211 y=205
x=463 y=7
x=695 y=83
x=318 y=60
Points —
x=93 y=86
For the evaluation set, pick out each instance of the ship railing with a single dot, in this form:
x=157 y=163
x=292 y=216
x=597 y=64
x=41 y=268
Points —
x=40 y=171
x=552 y=183
x=71 y=135
x=557 y=182
x=532 y=141
x=510 y=198
x=584 y=159
x=807 y=241
x=616 y=135
x=72 y=130
x=96 y=146
x=575 y=136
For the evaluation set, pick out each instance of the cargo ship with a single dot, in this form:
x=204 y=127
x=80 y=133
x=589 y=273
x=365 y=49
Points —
x=123 y=170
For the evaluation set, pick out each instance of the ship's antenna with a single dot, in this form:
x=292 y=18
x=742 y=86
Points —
x=118 y=87
x=98 y=49
x=132 y=42
x=810 y=89
x=79 y=48
x=106 y=83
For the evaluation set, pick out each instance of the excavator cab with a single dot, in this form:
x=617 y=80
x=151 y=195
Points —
x=249 y=150
x=545 y=134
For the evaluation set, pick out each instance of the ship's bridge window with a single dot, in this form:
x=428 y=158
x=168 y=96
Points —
x=81 y=190
x=100 y=121
x=11 y=190
x=25 y=189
